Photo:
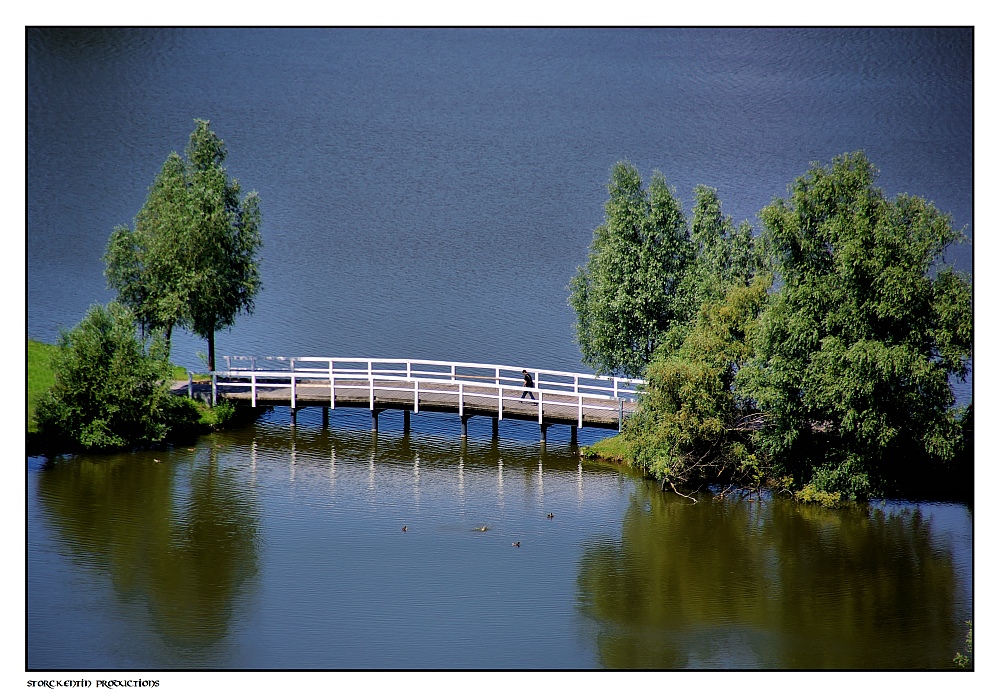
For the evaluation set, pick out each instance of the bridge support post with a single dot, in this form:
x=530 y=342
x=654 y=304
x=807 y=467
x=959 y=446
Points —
x=375 y=413
x=496 y=428
x=406 y=421
x=572 y=434
x=543 y=428
x=465 y=426
x=294 y=412
x=326 y=417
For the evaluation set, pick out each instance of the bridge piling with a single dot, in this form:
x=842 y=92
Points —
x=375 y=413
x=496 y=428
x=543 y=427
x=465 y=426
x=406 y=421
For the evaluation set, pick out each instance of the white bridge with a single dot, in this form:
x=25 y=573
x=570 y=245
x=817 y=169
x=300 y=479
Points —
x=468 y=389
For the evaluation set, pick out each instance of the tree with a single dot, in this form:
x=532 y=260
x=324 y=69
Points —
x=631 y=290
x=109 y=390
x=191 y=259
x=858 y=348
x=148 y=266
x=225 y=273
x=692 y=426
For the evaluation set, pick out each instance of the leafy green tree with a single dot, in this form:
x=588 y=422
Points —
x=632 y=288
x=109 y=390
x=859 y=344
x=191 y=259
x=225 y=274
x=149 y=266
x=691 y=425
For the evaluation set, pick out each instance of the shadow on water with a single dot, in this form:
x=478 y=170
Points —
x=178 y=537
x=730 y=584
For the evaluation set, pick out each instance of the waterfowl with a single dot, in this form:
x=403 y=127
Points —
x=515 y=544
x=482 y=529
x=404 y=528
x=550 y=516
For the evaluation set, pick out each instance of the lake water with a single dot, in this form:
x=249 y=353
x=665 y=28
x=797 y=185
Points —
x=282 y=548
x=428 y=194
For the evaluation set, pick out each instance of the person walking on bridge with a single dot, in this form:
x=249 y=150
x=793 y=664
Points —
x=528 y=383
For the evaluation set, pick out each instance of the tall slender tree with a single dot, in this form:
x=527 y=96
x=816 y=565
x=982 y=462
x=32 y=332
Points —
x=192 y=258
x=226 y=237
x=631 y=290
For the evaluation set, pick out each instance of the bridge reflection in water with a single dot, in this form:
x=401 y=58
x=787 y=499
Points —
x=466 y=389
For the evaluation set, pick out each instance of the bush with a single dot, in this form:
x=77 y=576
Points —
x=964 y=660
x=109 y=390
x=184 y=419
x=221 y=414
x=692 y=425
x=810 y=494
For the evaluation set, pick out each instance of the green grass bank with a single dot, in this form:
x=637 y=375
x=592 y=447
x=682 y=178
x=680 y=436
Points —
x=610 y=449
x=40 y=376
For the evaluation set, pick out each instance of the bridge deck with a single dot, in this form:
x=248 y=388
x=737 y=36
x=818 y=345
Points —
x=467 y=389
x=475 y=401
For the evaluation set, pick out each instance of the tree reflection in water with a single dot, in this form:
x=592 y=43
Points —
x=177 y=536
x=739 y=584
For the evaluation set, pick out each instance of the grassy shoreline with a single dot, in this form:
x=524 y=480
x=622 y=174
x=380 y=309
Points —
x=40 y=376
x=610 y=449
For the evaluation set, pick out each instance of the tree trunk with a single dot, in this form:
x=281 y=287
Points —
x=211 y=350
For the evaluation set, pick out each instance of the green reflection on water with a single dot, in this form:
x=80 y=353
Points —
x=660 y=583
x=770 y=585
x=178 y=536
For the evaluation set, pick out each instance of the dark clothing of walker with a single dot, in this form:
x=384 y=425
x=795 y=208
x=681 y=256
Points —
x=529 y=383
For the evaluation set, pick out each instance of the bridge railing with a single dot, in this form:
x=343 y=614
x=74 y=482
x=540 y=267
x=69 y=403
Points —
x=615 y=387
x=420 y=377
